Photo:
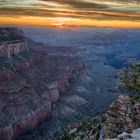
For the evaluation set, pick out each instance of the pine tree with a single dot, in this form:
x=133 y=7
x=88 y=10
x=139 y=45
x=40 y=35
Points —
x=130 y=79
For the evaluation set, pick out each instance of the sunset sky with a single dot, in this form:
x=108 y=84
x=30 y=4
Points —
x=97 y=13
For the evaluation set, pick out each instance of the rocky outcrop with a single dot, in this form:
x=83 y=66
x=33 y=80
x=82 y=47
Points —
x=119 y=123
x=8 y=49
x=11 y=42
x=8 y=34
x=135 y=135
x=123 y=116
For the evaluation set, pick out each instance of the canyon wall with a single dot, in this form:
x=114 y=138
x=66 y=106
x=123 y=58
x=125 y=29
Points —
x=30 y=82
x=7 y=49
x=29 y=121
x=12 y=42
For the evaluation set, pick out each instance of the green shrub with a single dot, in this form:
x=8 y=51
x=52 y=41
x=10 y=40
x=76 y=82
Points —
x=130 y=79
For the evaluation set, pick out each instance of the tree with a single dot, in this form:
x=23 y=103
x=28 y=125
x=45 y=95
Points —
x=130 y=79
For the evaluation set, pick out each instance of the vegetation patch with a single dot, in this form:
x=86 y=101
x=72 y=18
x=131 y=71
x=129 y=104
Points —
x=130 y=81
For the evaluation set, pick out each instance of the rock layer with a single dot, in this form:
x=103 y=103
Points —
x=30 y=81
x=122 y=116
x=8 y=49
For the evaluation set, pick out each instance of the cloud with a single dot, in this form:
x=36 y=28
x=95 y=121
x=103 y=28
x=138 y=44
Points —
x=122 y=1
x=79 y=4
x=79 y=9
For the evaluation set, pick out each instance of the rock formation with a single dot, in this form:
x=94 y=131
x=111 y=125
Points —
x=123 y=116
x=119 y=123
x=30 y=81
x=8 y=49
x=135 y=135
x=11 y=42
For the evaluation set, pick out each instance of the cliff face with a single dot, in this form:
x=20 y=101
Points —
x=21 y=107
x=123 y=116
x=7 y=49
x=30 y=81
x=11 y=42
x=30 y=120
x=11 y=34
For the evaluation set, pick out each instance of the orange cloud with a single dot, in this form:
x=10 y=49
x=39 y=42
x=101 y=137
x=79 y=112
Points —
x=31 y=21
x=99 y=13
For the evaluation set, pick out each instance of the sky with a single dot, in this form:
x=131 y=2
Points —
x=73 y=13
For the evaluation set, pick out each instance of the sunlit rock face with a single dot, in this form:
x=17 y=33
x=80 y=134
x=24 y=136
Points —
x=30 y=82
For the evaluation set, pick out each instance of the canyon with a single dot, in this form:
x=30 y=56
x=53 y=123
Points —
x=52 y=80
x=31 y=81
x=104 y=53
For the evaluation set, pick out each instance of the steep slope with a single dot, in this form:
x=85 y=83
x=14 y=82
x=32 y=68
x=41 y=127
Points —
x=30 y=81
x=21 y=106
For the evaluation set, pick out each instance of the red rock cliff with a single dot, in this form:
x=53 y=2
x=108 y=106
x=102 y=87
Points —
x=30 y=81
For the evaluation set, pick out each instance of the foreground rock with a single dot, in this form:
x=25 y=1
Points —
x=135 y=135
x=123 y=116
x=88 y=130
x=119 y=123
x=30 y=81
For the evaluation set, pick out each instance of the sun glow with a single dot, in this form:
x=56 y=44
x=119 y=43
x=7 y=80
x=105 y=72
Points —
x=99 y=13
x=59 y=19
x=65 y=22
